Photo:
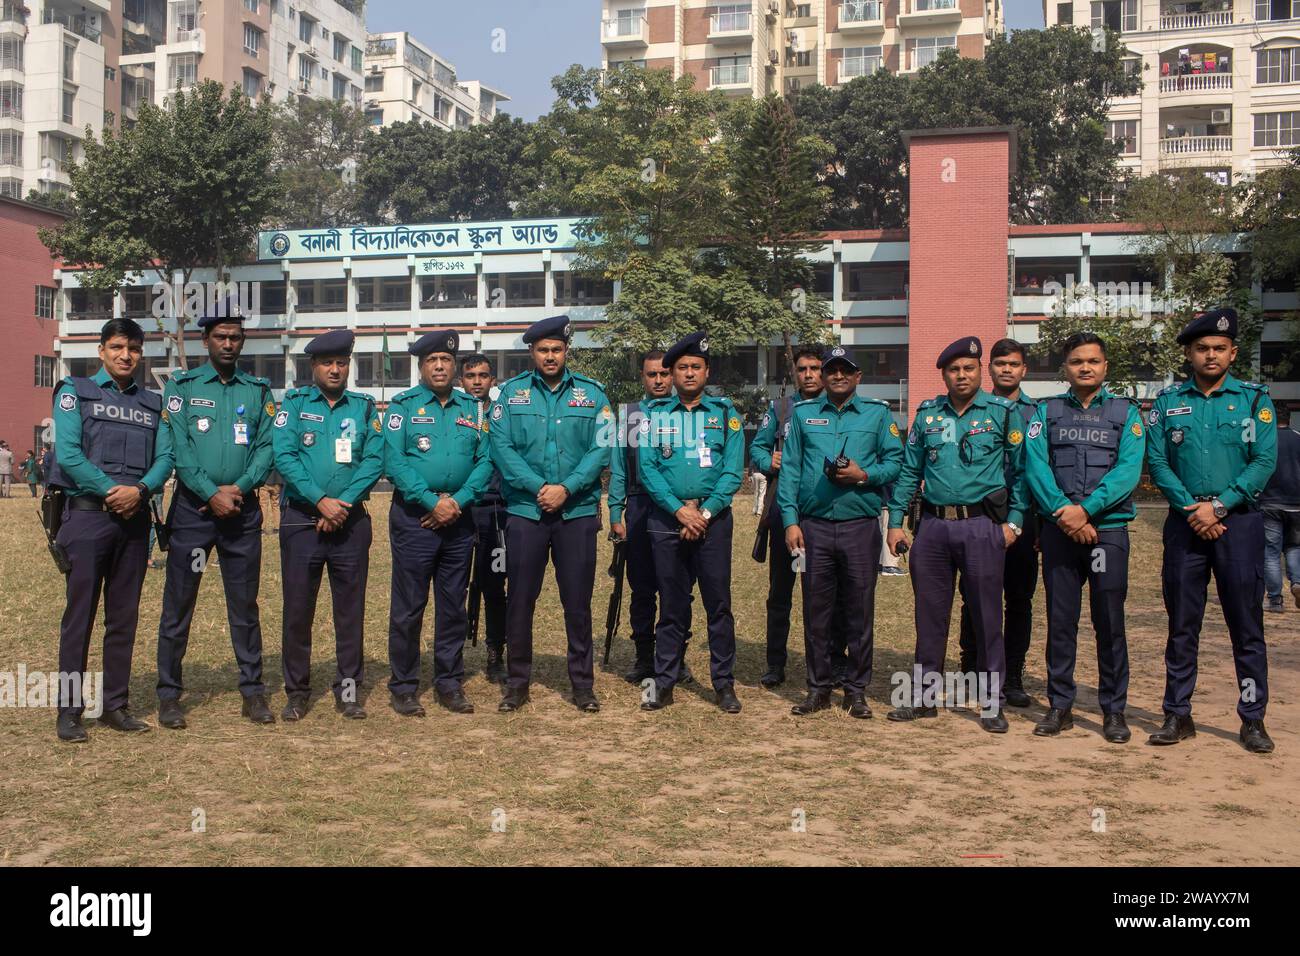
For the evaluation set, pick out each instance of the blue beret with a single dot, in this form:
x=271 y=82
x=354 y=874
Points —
x=439 y=340
x=556 y=327
x=966 y=347
x=1214 y=322
x=337 y=342
x=215 y=314
x=697 y=343
x=838 y=353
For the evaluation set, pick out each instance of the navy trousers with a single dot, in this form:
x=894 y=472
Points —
x=1019 y=581
x=489 y=519
x=238 y=540
x=679 y=564
x=423 y=556
x=1067 y=566
x=305 y=554
x=571 y=545
x=108 y=557
x=1237 y=562
x=780 y=599
x=640 y=569
x=842 y=559
x=975 y=548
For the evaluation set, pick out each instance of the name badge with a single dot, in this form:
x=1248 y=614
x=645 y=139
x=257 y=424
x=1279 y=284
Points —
x=706 y=456
x=343 y=451
x=203 y=402
x=241 y=433
x=308 y=416
x=816 y=421
x=1171 y=412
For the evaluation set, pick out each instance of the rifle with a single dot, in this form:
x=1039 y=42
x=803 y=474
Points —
x=759 y=552
x=475 y=585
x=617 y=569
x=51 y=520
x=161 y=532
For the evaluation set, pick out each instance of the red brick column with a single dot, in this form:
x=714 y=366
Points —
x=957 y=234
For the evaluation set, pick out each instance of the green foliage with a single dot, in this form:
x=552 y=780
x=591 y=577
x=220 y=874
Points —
x=1272 y=214
x=318 y=146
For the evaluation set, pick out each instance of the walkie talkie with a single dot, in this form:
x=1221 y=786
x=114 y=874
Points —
x=831 y=466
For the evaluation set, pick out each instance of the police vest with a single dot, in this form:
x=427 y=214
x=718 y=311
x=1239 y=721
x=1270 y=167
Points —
x=633 y=432
x=117 y=432
x=1083 y=445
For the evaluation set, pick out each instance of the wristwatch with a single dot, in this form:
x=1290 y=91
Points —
x=1220 y=512
x=1015 y=528
x=706 y=514
x=144 y=491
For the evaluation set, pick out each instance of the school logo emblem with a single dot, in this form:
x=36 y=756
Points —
x=308 y=439
x=424 y=443
x=203 y=424
x=281 y=419
x=174 y=404
x=67 y=401
x=279 y=245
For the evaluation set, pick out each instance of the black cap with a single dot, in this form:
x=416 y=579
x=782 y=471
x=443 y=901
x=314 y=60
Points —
x=838 y=353
x=439 y=340
x=1215 y=322
x=697 y=343
x=556 y=327
x=217 y=313
x=966 y=347
x=337 y=342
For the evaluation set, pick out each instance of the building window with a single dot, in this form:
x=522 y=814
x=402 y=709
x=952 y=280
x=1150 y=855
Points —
x=68 y=97
x=1277 y=129
x=1278 y=65
x=304 y=73
x=321 y=295
x=731 y=18
x=863 y=280
x=182 y=71
x=448 y=292
x=340 y=87
x=391 y=294
x=375 y=83
x=732 y=71
x=375 y=117
x=801 y=58
x=1121 y=16
x=924 y=5
x=1125 y=133
x=44 y=302
x=269 y=367
x=56 y=152
x=252 y=40
x=184 y=15
x=11 y=100
x=358 y=64
x=69 y=62
x=11 y=147
x=44 y=371
x=1266 y=10
x=13 y=188
x=463 y=119
x=1065 y=14
x=11 y=53
x=306 y=28
x=341 y=48
x=370 y=370
x=928 y=49
x=516 y=290
x=803 y=10
x=252 y=85
x=251 y=5
x=859 y=61
x=574 y=289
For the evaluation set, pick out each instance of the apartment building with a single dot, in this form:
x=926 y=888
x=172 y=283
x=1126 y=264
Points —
x=1221 y=80
x=763 y=46
x=405 y=81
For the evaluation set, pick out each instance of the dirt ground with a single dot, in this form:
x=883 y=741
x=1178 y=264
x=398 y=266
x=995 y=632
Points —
x=689 y=785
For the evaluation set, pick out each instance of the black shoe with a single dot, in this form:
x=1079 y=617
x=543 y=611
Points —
x=912 y=713
x=512 y=700
x=1114 y=728
x=1274 y=605
x=296 y=708
x=661 y=699
x=122 y=720
x=728 y=702
x=70 y=729
x=997 y=724
x=255 y=709
x=1255 y=738
x=1053 y=722
x=815 y=701
x=495 y=671
x=645 y=663
x=584 y=698
x=170 y=714
x=350 y=709
x=408 y=705
x=1175 y=729
x=455 y=701
x=774 y=677
x=1016 y=696
x=856 y=705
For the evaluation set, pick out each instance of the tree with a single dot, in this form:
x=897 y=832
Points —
x=1272 y=217
x=186 y=187
x=318 y=146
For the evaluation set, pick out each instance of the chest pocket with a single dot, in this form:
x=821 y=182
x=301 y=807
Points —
x=863 y=439
x=976 y=446
x=575 y=430
x=1232 y=427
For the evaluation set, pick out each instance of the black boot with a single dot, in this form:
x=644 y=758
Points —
x=495 y=671
x=1255 y=738
x=815 y=701
x=645 y=662
x=70 y=729
x=1176 y=728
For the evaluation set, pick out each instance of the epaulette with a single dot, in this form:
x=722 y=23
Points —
x=999 y=400
x=1169 y=389
x=806 y=401
x=361 y=395
x=402 y=396
x=185 y=375
x=874 y=401
x=589 y=380
x=1258 y=386
x=930 y=402
x=258 y=380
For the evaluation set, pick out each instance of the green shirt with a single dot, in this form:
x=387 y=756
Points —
x=68 y=452
x=543 y=437
x=864 y=431
x=221 y=431
x=1222 y=445
x=307 y=453
x=694 y=453
x=618 y=454
x=962 y=459
x=435 y=449
x=1113 y=489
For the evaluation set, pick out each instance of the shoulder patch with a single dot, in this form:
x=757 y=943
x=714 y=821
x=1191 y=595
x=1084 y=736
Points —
x=1014 y=436
x=1137 y=429
x=68 y=401
x=394 y=421
x=175 y=403
x=281 y=419
x=1035 y=429
x=734 y=423
x=893 y=429
x=1266 y=415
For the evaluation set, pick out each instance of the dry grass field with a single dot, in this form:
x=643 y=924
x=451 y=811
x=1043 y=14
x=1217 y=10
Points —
x=689 y=785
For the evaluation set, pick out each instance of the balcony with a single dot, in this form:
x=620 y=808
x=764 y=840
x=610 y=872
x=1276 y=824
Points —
x=851 y=68
x=1196 y=83
x=1195 y=21
x=620 y=32
x=73 y=23
x=730 y=28
x=1179 y=146
x=862 y=16
x=930 y=13
x=729 y=77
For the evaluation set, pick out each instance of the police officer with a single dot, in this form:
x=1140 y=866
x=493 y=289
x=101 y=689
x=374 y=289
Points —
x=780 y=571
x=110 y=457
x=1212 y=447
x=221 y=420
x=330 y=451
x=477 y=378
x=1083 y=459
x=550 y=429
x=691 y=472
x=437 y=459
x=1007 y=368
x=956 y=450
x=841 y=452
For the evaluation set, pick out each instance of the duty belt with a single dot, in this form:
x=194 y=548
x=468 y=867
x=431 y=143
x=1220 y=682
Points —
x=85 y=503
x=954 y=512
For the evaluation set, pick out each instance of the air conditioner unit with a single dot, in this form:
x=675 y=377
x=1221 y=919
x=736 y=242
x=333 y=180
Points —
x=1220 y=116
x=372 y=104
x=376 y=69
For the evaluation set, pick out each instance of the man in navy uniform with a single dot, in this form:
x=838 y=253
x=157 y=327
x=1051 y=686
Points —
x=436 y=457
x=330 y=450
x=110 y=457
x=1211 y=447
x=221 y=420
x=841 y=452
x=550 y=431
x=478 y=379
x=691 y=472
x=956 y=451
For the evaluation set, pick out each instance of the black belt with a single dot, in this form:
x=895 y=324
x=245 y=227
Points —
x=85 y=503
x=955 y=512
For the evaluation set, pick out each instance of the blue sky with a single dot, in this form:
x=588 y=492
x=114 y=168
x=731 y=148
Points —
x=541 y=38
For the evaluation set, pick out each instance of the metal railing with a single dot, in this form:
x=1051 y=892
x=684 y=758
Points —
x=861 y=11
x=624 y=28
x=1195 y=21
x=1192 y=145
x=858 y=66
x=1196 y=83
x=729 y=76
x=735 y=22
